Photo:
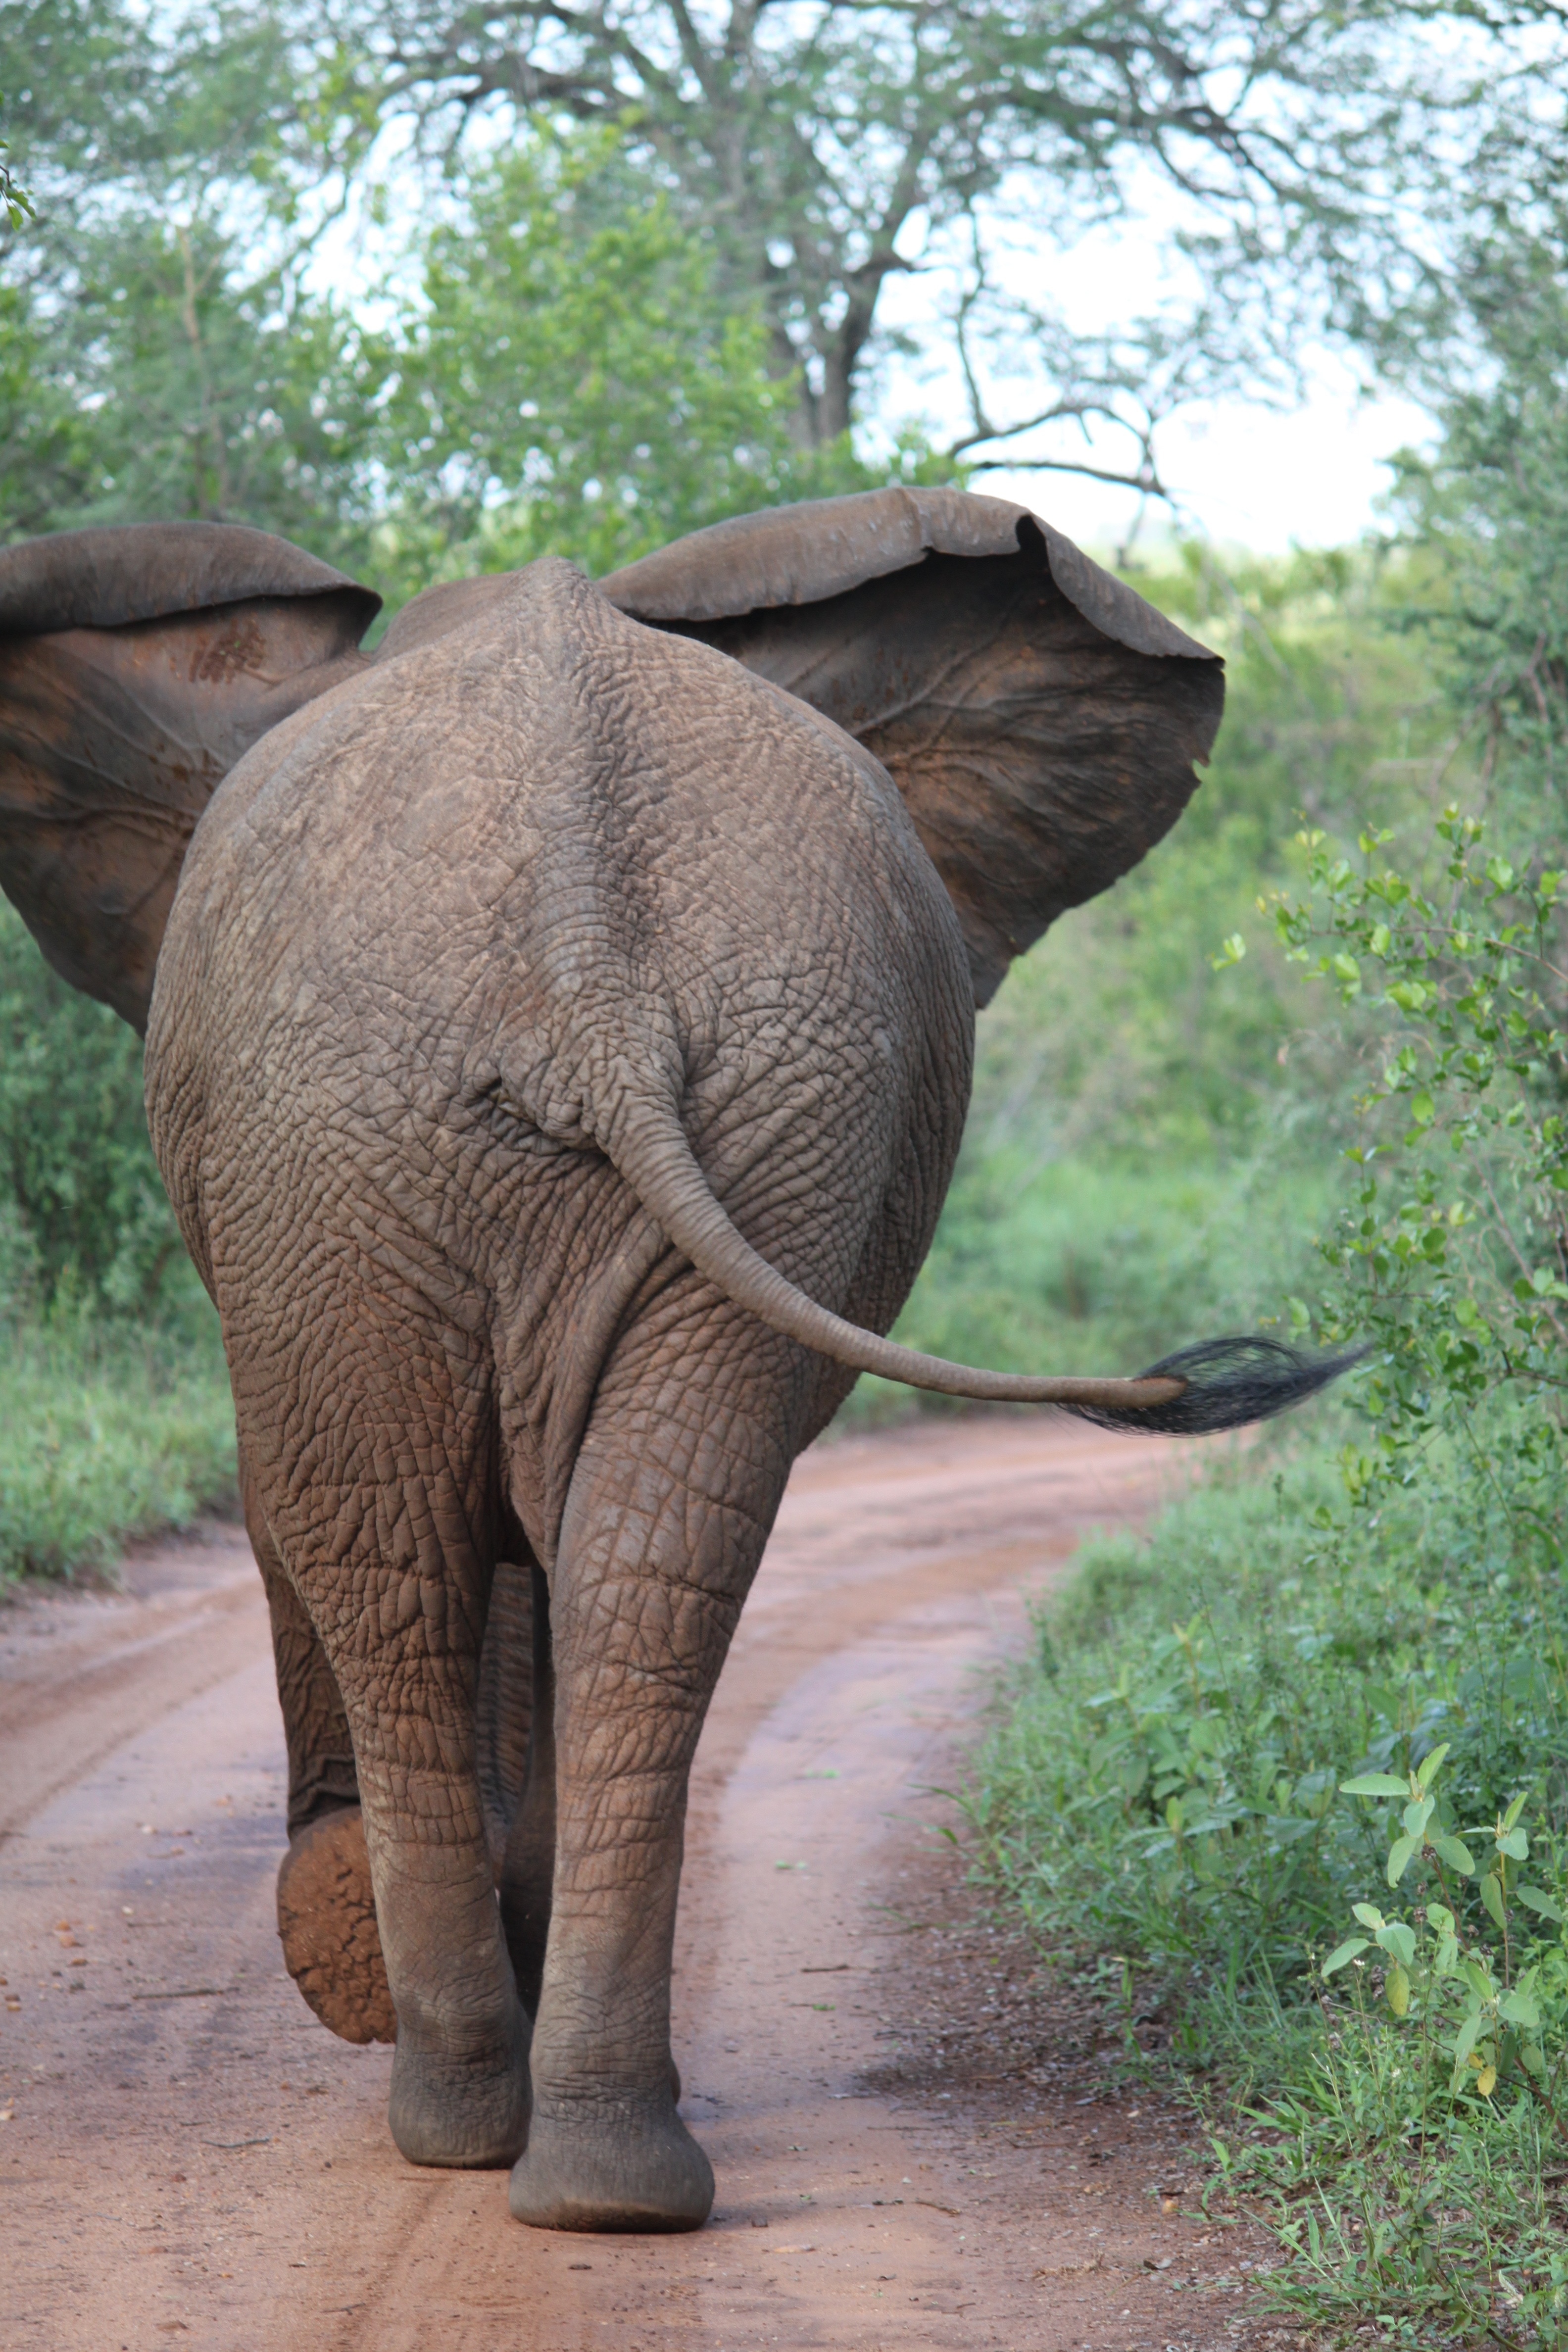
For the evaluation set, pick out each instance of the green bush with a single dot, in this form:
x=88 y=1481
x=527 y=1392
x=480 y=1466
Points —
x=1178 y=1792
x=83 y=1207
x=115 y=1414
x=1164 y=1781
x=109 y=1432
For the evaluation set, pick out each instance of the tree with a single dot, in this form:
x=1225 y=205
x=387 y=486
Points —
x=571 y=378
x=830 y=148
x=1490 y=502
x=159 y=351
x=14 y=201
x=561 y=366
x=1319 y=160
x=166 y=379
x=74 y=1156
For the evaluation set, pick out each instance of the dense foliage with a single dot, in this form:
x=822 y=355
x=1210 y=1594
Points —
x=823 y=157
x=1301 y=1771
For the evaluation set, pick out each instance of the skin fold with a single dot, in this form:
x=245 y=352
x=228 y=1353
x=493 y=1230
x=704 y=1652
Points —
x=456 y=951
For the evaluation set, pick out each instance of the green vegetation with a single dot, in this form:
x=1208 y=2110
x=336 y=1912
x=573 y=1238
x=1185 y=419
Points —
x=1291 y=1778
x=114 y=1399
x=1161 y=1802
x=112 y=1430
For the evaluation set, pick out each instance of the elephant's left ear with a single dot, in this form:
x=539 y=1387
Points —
x=1040 y=719
x=137 y=665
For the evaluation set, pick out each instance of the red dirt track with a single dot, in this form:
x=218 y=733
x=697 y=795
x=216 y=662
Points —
x=191 y=2158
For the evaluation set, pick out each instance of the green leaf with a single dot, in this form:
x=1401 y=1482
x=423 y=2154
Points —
x=1368 y=1914
x=1535 y=1898
x=1398 y=1941
x=1417 y=1813
x=1530 y=2059
x=1515 y=1845
x=1400 y=1855
x=1375 y=1784
x=1492 y=1895
x=1430 y=1766
x=1519 y=2010
x=1515 y=1810
x=1469 y=2033
x=1344 y=1952
x=1449 y=1850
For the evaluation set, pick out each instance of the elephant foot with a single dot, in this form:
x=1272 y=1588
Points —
x=326 y=1918
x=633 y=2167
x=468 y=2111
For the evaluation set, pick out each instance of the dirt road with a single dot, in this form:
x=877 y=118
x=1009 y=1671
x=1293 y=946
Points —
x=189 y=2157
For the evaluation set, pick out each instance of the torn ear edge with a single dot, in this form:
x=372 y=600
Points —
x=138 y=664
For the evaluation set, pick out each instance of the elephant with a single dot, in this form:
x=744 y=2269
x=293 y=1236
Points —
x=559 y=1028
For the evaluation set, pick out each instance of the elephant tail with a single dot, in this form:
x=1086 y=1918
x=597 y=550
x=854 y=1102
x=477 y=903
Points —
x=1217 y=1384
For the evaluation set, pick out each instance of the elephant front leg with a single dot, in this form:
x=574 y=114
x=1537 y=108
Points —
x=326 y=1910
x=660 y=1538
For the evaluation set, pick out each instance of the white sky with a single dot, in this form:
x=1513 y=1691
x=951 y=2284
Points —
x=1248 y=476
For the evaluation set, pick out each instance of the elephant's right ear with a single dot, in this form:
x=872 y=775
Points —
x=1039 y=718
x=137 y=665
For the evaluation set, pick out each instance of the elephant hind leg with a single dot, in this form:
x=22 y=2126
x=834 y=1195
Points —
x=326 y=1907
x=673 y=1492
x=322 y=1772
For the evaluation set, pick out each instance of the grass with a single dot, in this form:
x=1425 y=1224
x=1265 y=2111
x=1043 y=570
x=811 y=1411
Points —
x=1162 y=1802
x=110 y=1431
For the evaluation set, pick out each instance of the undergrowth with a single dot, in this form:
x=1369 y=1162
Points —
x=107 y=1431
x=1163 y=1801
x=1290 y=1782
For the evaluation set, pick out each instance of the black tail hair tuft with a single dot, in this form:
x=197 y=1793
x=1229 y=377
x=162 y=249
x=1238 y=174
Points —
x=1229 y=1382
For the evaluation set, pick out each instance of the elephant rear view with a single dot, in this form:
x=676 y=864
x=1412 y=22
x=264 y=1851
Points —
x=559 y=1048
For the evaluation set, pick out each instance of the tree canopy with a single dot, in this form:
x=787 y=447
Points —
x=1314 y=167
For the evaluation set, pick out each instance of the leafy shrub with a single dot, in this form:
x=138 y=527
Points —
x=86 y=1210
x=1421 y=2133
x=115 y=1413
x=109 y=1432
x=1166 y=1795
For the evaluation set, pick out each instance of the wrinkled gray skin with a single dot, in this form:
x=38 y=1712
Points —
x=455 y=949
